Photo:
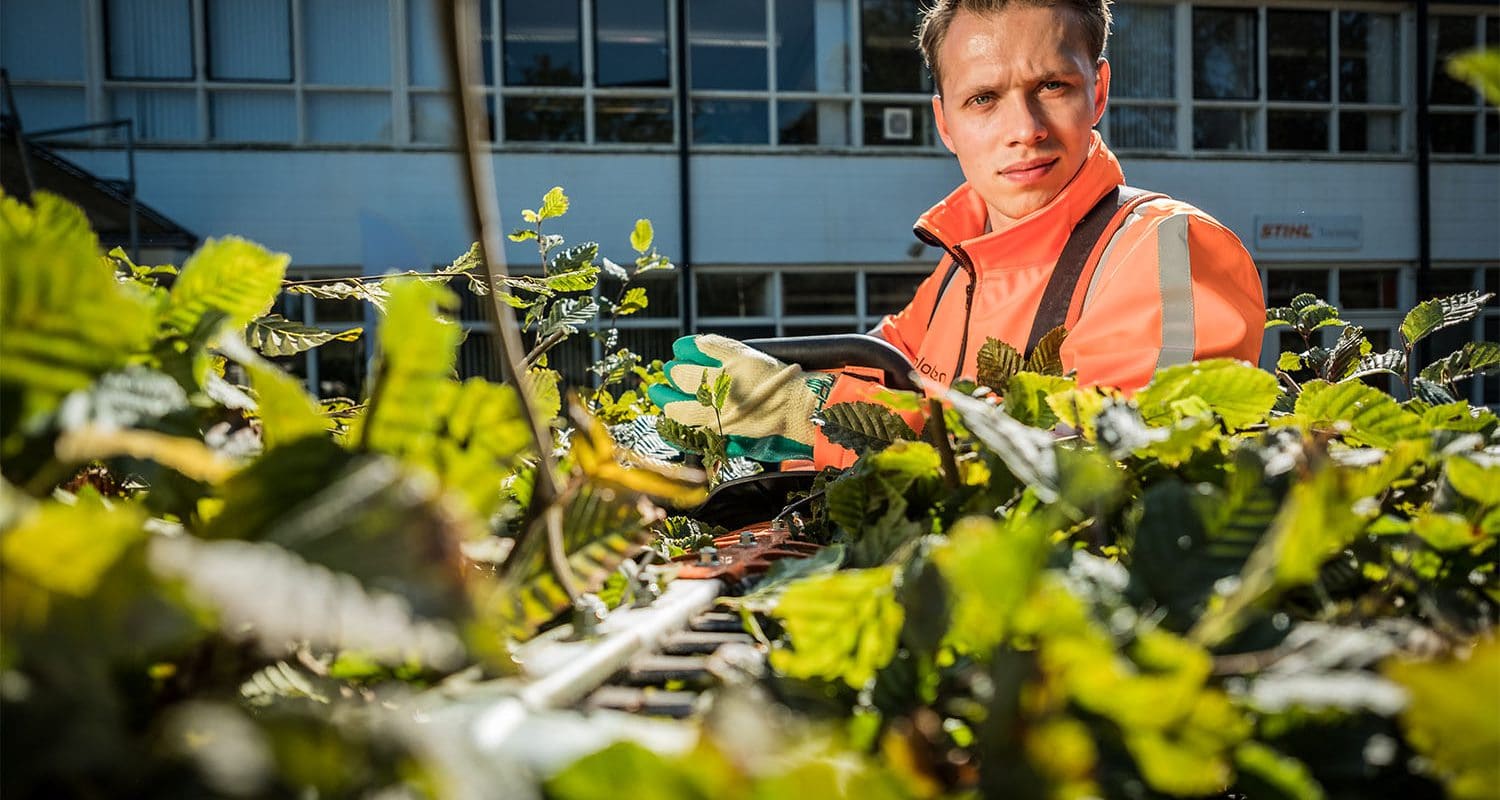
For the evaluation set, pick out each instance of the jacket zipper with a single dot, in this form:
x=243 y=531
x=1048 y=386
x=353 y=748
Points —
x=962 y=257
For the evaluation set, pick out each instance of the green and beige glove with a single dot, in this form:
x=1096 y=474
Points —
x=767 y=415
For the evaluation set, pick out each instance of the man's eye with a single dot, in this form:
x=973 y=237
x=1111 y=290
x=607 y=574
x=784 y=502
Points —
x=1052 y=86
x=982 y=100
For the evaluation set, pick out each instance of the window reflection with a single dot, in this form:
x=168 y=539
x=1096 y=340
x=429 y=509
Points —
x=544 y=119
x=1297 y=55
x=727 y=43
x=891 y=61
x=730 y=122
x=1224 y=54
x=542 y=43
x=630 y=43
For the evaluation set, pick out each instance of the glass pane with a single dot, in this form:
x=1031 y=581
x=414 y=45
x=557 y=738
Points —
x=424 y=48
x=1446 y=37
x=1369 y=57
x=432 y=119
x=1452 y=133
x=346 y=42
x=543 y=119
x=1492 y=132
x=158 y=116
x=42 y=40
x=817 y=293
x=891 y=60
x=730 y=122
x=149 y=39
x=542 y=43
x=341 y=368
x=1284 y=284
x=1367 y=288
x=1223 y=129
x=796 y=46
x=727 y=42
x=630 y=43
x=1445 y=282
x=1297 y=55
x=476 y=357
x=741 y=332
x=1224 y=54
x=249 y=40
x=825 y=123
x=661 y=292
x=633 y=120
x=650 y=343
x=889 y=292
x=353 y=118
x=41 y=108
x=1360 y=132
x=898 y=124
x=1142 y=58
x=722 y=294
x=1143 y=128
x=1297 y=130
x=252 y=117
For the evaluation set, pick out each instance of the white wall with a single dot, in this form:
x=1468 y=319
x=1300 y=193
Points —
x=808 y=209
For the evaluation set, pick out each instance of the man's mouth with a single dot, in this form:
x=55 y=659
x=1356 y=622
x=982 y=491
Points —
x=1028 y=171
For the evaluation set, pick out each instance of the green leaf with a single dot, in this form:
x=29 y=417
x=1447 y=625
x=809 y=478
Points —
x=573 y=259
x=287 y=412
x=1277 y=317
x=1289 y=362
x=1451 y=717
x=1392 y=362
x=648 y=775
x=1027 y=452
x=554 y=204
x=641 y=236
x=372 y=292
x=414 y=363
x=1182 y=440
x=1474 y=358
x=1477 y=481
x=64 y=319
x=864 y=427
x=839 y=626
x=634 y=300
x=228 y=282
x=274 y=335
x=1480 y=69
x=721 y=390
x=67 y=549
x=1446 y=531
x=545 y=391
x=1239 y=394
x=578 y=280
x=1459 y=416
x=531 y=217
x=990 y=566
x=1046 y=357
x=1431 y=316
x=521 y=234
x=997 y=363
x=567 y=315
x=1346 y=352
x=1026 y=398
x=1362 y=414
x=124 y=399
x=784 y=573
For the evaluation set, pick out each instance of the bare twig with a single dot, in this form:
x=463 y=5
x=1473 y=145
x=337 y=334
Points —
x=940 y=441
x=459 y=23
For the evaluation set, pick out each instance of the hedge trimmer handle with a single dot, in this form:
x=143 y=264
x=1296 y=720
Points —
x=841 y=350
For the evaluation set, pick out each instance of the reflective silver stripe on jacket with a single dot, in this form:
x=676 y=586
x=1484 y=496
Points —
x=1174 y=276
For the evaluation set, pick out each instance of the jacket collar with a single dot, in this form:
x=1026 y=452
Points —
x=961 y=218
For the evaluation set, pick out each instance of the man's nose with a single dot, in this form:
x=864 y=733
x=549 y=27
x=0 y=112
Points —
x=1021 y=121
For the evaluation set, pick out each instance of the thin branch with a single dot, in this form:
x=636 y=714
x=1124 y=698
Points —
x=940 y=441
x=543 y=346
x=458 y=18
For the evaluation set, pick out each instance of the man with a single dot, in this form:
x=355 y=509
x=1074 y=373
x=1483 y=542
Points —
x=1040 y=231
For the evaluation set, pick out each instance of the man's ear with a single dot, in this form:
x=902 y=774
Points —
x=1101 y=89
x=942 y=123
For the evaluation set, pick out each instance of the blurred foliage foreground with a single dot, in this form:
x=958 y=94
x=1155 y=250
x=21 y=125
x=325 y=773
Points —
x=1232 y=584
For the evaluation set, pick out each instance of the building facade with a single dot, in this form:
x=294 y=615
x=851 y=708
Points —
x=782 y=148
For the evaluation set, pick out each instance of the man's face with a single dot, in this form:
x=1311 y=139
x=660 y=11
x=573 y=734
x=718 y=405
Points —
x=1019 y=100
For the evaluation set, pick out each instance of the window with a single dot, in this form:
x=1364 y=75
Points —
x=1460 y=122
x=42 y=50
x=896 y=89
x=1331 y=80
x=747 y=302
x=273 y=71
x=1142 y=107
x=334 y=369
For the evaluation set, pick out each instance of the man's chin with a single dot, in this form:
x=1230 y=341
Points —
x=1014 y=205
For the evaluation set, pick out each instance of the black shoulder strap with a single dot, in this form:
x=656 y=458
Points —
x=1058 y=296
x=943 y=289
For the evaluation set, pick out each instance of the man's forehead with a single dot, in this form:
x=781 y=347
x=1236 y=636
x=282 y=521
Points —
x=1045 y=35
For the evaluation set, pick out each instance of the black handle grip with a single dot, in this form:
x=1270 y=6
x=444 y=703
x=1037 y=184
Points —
x=842 y=350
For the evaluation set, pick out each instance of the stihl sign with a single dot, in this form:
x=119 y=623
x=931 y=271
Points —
x=1302 y=232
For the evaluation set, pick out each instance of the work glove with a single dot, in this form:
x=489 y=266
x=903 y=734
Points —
x=767 y=414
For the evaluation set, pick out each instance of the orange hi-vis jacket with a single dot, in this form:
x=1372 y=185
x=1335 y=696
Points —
x=1165 y=284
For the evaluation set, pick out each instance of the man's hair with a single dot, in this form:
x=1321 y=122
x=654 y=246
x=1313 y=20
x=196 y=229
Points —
x=1092 y=16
